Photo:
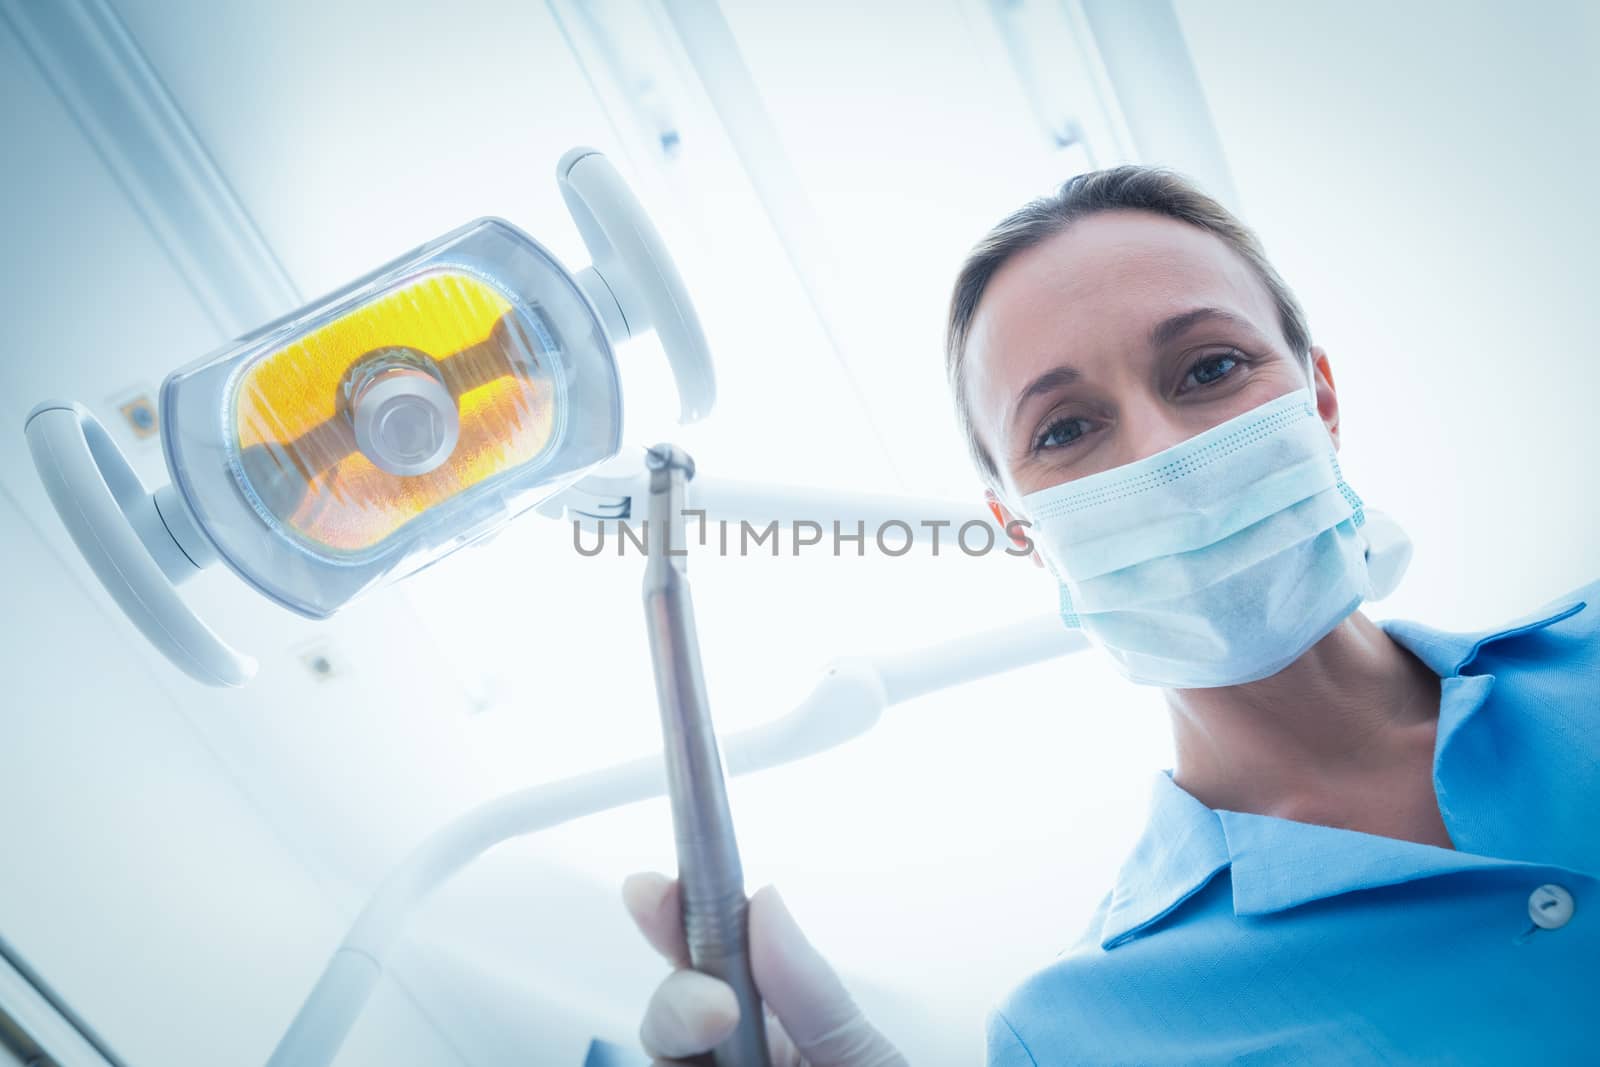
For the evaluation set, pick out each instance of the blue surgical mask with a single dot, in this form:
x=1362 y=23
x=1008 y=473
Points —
x=1220 y=560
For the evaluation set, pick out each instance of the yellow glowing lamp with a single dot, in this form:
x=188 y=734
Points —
x=383 y=414
x=383 y=426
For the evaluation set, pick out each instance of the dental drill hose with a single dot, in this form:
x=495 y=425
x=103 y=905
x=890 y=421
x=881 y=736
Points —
x=710 y=877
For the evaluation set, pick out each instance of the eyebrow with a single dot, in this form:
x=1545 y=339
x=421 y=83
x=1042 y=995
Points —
x=1162 y=334
x=1170 y=329
x=1050 y=380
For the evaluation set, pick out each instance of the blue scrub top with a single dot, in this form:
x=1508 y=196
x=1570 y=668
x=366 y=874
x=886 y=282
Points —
x=1248 y=939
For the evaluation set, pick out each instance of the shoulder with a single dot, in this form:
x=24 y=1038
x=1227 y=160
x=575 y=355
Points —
x=1198 y=976
x=1094 y=1005
x=1004 y=1043
x=1028 y=1002
x=1084 y=1008
x=1557 y=644
x=1561 y=637
x=1587 y=618
x=1578 y=610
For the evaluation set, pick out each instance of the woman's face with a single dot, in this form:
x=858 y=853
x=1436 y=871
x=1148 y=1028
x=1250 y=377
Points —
x=1122 y=336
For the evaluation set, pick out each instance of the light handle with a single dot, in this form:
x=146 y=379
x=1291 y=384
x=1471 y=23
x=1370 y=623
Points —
x=137 y=548
x=633 y=282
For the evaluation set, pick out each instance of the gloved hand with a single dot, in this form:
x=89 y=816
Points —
x=811 y=1020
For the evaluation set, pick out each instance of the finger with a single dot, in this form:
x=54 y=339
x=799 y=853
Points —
x=689 y=1013
x=780 y=1048
x=656 y=905
x=801 y=988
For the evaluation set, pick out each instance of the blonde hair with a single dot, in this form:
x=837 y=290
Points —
x=1132 y=187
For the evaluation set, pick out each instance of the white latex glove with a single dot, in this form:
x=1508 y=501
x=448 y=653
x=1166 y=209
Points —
x=811 y=1020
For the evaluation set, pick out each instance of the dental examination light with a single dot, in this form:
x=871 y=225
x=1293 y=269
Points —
x=849 y=700
x=373 y=431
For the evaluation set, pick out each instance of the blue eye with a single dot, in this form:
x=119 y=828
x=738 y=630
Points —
x=1212 y=368
x=1061 y=433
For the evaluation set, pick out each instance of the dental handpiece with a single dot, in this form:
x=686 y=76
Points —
x=711 y=879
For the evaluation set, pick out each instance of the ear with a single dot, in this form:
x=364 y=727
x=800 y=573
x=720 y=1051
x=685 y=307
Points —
x=1327 y=395
x=1003 y=516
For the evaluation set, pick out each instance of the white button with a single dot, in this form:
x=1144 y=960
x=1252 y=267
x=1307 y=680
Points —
x=1550 y=907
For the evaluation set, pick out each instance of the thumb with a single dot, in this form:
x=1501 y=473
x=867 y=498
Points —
x=816 y=1010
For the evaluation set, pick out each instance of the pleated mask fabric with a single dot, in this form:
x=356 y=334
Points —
x=1215 y=562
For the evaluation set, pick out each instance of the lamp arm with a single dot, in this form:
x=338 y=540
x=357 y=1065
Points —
x=847 y=702
x=759 y=503
x=976 y=655
x=325 y=1019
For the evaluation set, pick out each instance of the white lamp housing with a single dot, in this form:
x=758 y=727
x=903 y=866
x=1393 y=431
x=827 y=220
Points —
x=244 y=505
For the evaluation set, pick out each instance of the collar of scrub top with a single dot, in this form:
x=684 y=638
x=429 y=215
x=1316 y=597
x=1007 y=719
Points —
x=1279 y=863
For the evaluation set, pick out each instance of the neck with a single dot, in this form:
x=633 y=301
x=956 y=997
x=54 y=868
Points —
x=1346 y=721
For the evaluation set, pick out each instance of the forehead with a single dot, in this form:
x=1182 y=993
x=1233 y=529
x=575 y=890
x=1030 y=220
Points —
x=1088 y=297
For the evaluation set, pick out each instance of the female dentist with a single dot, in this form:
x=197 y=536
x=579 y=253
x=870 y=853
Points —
x=1377 y=844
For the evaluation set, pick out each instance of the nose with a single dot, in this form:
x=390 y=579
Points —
x=1148 y=427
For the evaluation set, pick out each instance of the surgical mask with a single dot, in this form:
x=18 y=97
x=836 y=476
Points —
x=1220 y=560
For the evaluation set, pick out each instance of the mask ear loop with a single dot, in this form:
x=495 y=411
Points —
x=1388 y=552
